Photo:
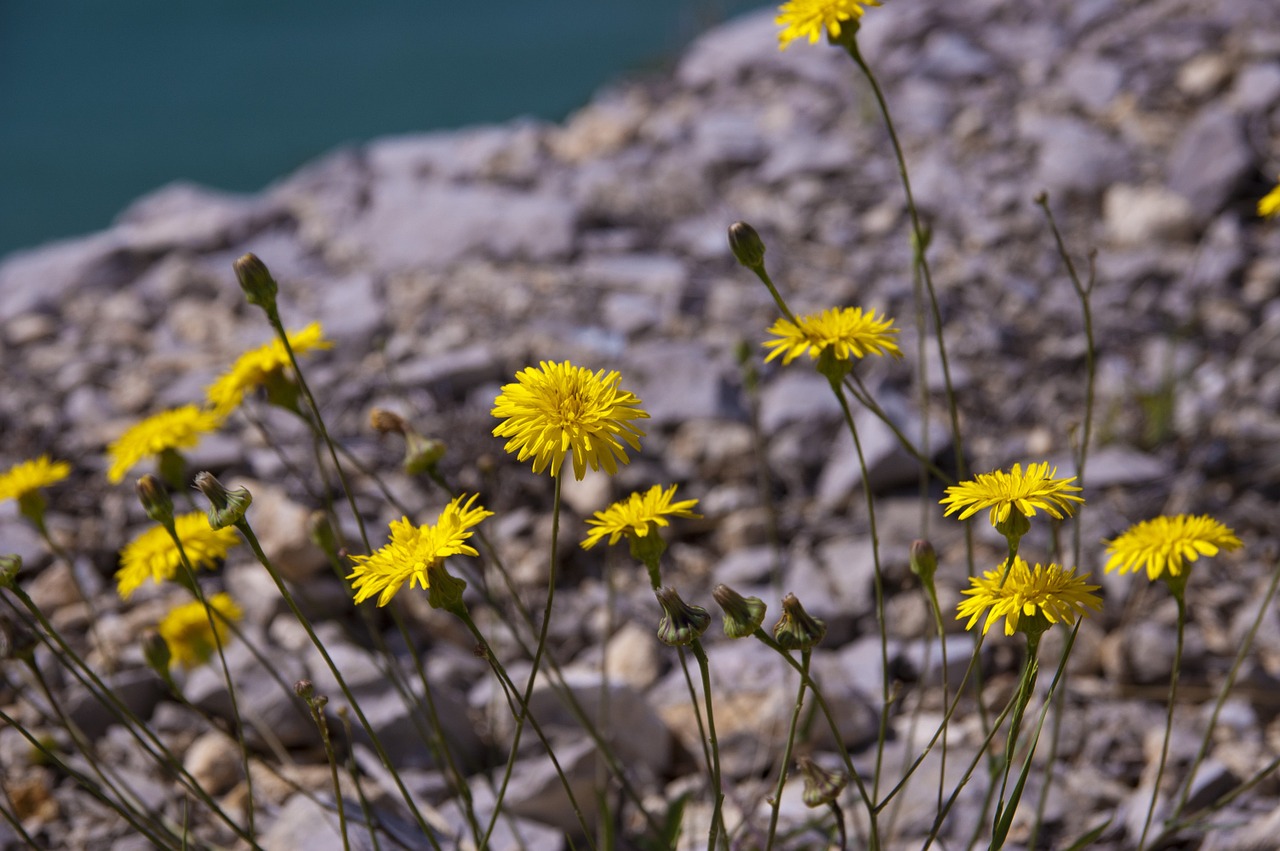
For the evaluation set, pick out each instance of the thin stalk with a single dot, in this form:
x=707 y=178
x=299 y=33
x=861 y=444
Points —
x=1026 y=688
x=318 y=717
x=786 y=752
x=1168 y=719
x=538 y=652
x=717 y=788
x=354 y=772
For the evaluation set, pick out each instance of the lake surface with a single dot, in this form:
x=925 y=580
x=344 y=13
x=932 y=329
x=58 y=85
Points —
x=102 y=101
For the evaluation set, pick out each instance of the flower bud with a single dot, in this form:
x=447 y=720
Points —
x=797 y=630
x=155 y=499
x=820 y=786
x=258 y=285
x=923 y=560
x=10 y=567
x=444 y=590
x=304 y=689
x=746 y=245
x=156 y=653
x=742 y=615
x=421 y=454
x=387 y=422
x=320 y=532
x=226 y=508
x=681 y=623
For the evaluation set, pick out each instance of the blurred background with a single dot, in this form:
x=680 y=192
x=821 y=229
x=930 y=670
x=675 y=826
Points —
x=105 y=101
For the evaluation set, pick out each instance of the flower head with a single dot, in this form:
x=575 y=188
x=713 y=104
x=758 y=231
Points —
x=1015 y=490
x=1269 y=204
x=848 y=332
x=179 y=428
x=560 y=408
x=1164 y=545
x=637 y=515
x=29 y=476
x=1052 y=592
x=413 y=550
x=153 y=554
x=256 y=367
x=187 y=631
x=811 y=18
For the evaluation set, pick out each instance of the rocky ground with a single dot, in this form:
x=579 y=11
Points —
x=442 y=263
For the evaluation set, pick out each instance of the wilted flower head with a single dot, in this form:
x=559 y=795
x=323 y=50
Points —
x=845 y=332
x=179 y=428
x=810 y=19
x=27 y=477
x=413 y=550
x=1167 y=545
x=256 y=367
x=187 y=631
x=154 y=555
x=559 y=408
x=1040 y=595
x=1005 y=493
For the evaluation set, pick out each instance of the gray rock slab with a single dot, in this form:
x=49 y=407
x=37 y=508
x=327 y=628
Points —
x=1209 y=159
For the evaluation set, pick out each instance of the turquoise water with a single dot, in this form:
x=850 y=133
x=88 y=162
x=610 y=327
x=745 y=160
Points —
x=103 y=101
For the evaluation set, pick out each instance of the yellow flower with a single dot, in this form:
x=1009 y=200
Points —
x=1269 y=204
x=153 y=554
x=1165 y=544
x=637 y=515
x=256 y=367
x=187 y=631
x=414 y=549
x=1053 y=592
x=179 y=428
x=559 y=408
x=810 y=18
x=29 y=476
x=849 y=332
x=1004 y=493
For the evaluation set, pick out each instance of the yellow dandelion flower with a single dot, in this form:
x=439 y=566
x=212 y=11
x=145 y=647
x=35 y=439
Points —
x=412 y=550
x=153 y=554
x=1052 y=592
x=1015 y=490
x=1167 y=544
x=849 y=332
x=558 y=408
x=1269 y=204
x=809 y=19
x=179 y=428
x=29 y=476
x=256 y=367
x=637 y=515
x=187 y=631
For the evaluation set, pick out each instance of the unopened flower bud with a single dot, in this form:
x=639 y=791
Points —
x=226 y=508
x=797 y=630
x=156 y=653
x=10 y=567
x=923 y=560
x=320 y=532
x=421 y=453
x=258 y=285
x=746 y=245
x=387 y=422
x=681 y=623
x=742 y=615
x=444 y=590
x=304 y=689
x=155 y=499
x=820 y=786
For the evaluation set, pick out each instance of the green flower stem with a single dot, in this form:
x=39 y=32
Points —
x=853 y=383
x=353 y=771
x=538 y=652
x=805 y=656
x=274 y=317
x=107 y=651
x=697 y=713
x=1168 y=719
x=1026 y=689
x=85 y=782
x=946 y=685
x=773 y=291
x=872 y=810
x=189 y=572
x=920 y=240
x=136 y=727
x=247 y=532
x=1227 y=685
x=717 y=812
x=318 y=717
x=838 y=389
